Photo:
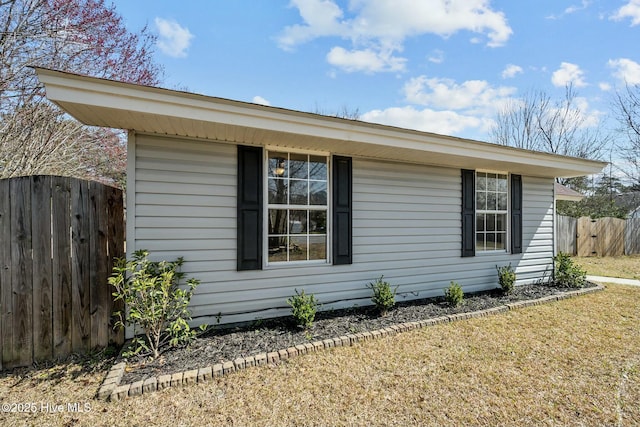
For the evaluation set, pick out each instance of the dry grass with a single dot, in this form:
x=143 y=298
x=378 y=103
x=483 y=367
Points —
x=626 y=267
x=574 y=362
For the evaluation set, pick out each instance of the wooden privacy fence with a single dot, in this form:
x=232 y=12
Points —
x=599 y=237
x=58 y=238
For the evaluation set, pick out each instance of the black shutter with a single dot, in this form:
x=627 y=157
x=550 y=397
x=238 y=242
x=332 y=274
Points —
x=342 y=217
x=249 y=208
x=516 y=214
x=468 y=213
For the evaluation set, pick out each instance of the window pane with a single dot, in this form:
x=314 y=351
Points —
x=492 y=184
x=491 y=241
x=277 y=248
x=277 y=221
x=502 y=183
x=297 y=222
x=317 y=222
x=480 y=218
x=318 y=167
x=299 y=192
x=481 y=201
x=298 y=248
x=481 y=181
x=277 y=164
x=318 y=193
x=501 y=222
x=298 y=166
x=277 y=191
x=491 y=222
x=480 y=241
x=317 y=247
x=500 y=240
x=502 y=202
x=492 y=201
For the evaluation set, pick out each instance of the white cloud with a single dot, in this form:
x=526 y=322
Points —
x=568 y=74
x=604 y=86
x=380 y=27
x=576 y=8
x=625 y=70
x=629 y=10
x=571 y=9
x=437 y=57
x=511 y=70
x=260 y=100
x=364 y=60
x=428 y=120
x=443 y=106
x=173 y=39
x=475 y=96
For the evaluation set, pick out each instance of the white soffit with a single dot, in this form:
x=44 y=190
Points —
x=144 y=109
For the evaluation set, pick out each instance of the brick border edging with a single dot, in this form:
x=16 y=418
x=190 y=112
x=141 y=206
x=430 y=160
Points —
x=111 y=389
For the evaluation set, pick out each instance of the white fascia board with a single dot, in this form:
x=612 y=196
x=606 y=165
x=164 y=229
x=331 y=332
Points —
x=64 y=88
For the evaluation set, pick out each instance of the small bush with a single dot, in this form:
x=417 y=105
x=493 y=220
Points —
x=506 y=278
x=383 y=296
x=155 y=303
x=303 y=308
x=454 y=294
x=567 y=274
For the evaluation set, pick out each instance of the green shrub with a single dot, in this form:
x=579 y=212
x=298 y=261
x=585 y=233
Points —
x=567 y=274
x=303 y=308
x=506 y=278
x=454 y=294
x=155 y=303
x=383 y=296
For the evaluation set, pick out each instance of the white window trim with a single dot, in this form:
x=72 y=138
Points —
x=507 y=240
x=266 y=206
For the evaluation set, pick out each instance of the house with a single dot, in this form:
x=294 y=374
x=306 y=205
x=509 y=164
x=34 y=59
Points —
x=565 y=193
x=261 y=201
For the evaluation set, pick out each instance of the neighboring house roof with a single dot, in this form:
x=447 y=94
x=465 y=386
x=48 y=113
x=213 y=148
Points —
x=566 y=193
x=108 y=103
x=630 y=202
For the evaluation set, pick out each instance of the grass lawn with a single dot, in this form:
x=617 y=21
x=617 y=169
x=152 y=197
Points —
x=573 y=362
x=626 y=267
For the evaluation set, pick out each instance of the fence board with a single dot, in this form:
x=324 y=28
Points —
x=6 y=312
x=80 y=259
x=115 y=249
x=566 y=229
x=632 y=237
x=61 y=277
x=609 y=240
x=42 y=267
x=98 y=270
x=22 y=272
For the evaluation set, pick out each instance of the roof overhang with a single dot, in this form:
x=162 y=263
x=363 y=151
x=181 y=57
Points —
x=143 y=109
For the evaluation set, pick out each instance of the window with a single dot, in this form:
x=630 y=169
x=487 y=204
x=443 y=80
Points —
x=492 y=203
x=297 y=207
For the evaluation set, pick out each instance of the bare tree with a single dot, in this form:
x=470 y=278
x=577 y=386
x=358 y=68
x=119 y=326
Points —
x=81 y=36
x=39 y=139
x=627 y=106
x=537 y=122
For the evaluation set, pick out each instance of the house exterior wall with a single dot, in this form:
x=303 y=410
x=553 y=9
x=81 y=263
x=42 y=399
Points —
x=406 y=226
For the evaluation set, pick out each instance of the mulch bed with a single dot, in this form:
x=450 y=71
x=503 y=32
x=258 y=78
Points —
x=220 y=344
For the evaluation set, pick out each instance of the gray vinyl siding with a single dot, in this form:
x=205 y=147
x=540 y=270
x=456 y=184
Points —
x=406 y=226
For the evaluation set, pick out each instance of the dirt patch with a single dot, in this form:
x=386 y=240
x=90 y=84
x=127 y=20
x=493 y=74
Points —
x=223 y=344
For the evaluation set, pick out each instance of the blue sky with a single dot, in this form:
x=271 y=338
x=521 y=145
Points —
x=433 y=65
